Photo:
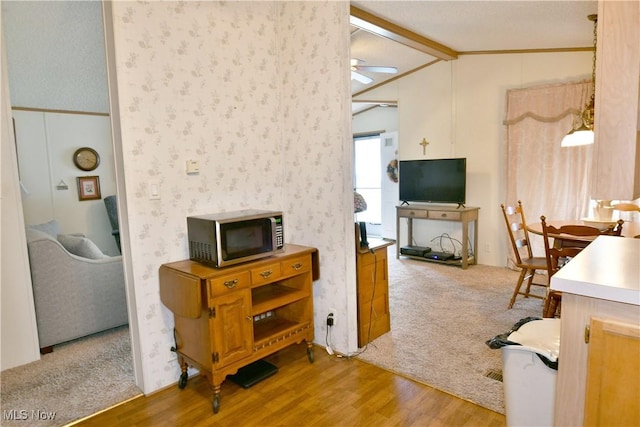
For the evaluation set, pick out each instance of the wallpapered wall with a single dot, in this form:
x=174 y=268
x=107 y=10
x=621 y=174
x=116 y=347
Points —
x=258 y=93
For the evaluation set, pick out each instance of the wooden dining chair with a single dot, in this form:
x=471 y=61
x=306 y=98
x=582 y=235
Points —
x=516 y=223
x=558 y=255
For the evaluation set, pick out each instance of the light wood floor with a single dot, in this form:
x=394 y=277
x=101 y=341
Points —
x=330 y=392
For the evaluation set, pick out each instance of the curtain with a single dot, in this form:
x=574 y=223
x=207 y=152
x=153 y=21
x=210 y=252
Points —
x=550 y=180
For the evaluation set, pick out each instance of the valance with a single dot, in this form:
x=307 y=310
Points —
x=547 y=104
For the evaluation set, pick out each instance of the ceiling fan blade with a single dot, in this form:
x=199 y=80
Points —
x=376 y=69
x=361 y=78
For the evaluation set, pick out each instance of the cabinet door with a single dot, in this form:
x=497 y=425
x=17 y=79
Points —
x=373 y=296
x=231 y=327
x=613 y=374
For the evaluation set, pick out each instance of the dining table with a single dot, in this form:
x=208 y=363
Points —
x=629 y=229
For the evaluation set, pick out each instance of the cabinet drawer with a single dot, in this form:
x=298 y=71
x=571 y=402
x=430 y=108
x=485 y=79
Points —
x=452 y=216
x=222 y=285
x=265 y=274
x=296 y=265
x=412 y=213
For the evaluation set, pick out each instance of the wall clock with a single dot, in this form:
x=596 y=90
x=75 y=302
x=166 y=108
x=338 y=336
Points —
x=86 y=159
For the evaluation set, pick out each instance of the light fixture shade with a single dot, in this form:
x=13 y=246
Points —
x=580 y=136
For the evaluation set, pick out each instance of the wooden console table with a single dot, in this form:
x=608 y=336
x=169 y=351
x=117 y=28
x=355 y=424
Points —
x=226 y=318
x=465 y=215
x=373 y=290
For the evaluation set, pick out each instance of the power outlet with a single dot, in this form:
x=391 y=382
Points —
x=335 y=315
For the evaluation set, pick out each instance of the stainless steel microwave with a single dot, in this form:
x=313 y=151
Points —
x=228 y=238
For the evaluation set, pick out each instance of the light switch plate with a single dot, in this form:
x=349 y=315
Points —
x=154 y=190
x=193 y=166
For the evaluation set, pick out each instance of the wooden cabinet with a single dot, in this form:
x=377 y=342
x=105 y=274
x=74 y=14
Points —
x=465 y=215
x=616 y=159
x=598 y=379
x=613 y=374
x=572 y=399
x=227 y=318
x=373 y=291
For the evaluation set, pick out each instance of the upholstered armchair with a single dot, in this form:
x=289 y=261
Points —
x=77 y=289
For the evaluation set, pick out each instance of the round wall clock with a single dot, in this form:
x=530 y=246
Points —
x=86 y=159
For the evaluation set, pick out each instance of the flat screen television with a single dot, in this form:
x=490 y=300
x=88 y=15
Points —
x=433 y=180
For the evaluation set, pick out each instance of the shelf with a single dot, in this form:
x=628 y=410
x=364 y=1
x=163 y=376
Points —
x=270 y=297
x=458 y=262
x=275 y=329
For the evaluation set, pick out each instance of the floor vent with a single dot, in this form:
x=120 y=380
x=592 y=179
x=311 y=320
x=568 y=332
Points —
x=494 y=375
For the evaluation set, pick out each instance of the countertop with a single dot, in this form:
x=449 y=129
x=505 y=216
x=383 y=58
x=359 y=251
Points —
x=608 y=268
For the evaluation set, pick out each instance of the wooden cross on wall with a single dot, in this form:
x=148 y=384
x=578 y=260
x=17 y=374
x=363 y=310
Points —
x=424 y=144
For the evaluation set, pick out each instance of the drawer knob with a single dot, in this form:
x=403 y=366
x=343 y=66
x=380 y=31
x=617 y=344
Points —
x=297 y=266
x=444 y=215
x=266 y=273
x=231 y=283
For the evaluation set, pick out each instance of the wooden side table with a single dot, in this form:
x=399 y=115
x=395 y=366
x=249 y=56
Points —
x=226 y=318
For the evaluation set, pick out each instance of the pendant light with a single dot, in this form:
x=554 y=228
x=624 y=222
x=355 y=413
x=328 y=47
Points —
x=583 y=134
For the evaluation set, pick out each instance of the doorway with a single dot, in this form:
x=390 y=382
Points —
x=376 y=179
x=72 y=81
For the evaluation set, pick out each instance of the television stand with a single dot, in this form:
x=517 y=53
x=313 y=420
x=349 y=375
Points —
x=404 y=202
x=462 y=214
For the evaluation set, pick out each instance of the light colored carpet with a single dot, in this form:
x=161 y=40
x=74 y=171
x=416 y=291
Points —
x=441 y=316
x=78 y=379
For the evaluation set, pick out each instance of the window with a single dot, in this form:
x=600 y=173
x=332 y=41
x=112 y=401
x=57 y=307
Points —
x=368 y=176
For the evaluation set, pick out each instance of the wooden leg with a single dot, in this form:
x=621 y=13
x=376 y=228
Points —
x=518 y=285
x=46 y=350
x=552 y=305
x=184 y=376
x=216 y=398
x=310 y=355
x=530 y=274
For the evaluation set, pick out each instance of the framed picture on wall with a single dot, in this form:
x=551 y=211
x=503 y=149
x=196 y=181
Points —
x=89 y=188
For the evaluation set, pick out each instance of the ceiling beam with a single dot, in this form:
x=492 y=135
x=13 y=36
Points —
x=396 y=77
x=391 y=31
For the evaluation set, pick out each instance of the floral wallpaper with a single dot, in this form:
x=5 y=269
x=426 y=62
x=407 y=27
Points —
x=258 y=93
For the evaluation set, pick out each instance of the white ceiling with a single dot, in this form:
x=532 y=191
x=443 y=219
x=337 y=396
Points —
x=468 y=26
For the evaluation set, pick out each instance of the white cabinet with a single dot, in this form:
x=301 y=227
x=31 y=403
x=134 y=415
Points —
x=616 y=173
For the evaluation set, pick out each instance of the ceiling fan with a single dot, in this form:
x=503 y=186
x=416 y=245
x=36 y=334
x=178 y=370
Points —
x=356 y=66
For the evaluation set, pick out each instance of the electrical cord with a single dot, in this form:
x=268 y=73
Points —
x=327 y=340
x=372 y=312
x=453 y=242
